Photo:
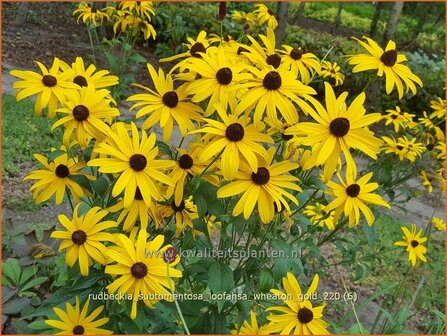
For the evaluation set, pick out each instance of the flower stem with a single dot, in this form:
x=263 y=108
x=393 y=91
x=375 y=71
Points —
x=176 y=303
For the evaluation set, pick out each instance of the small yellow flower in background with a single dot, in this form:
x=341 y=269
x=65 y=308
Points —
x=195 y=47
x=184 y=214
x=84 y=77
x=55 y=178
x=166 y=105
x=301 y=63
x=426 y=180
x=265 y=15
x=439 y=108
x=89 y=14
x=51 y=86
x=318 y=215
x=353 y=197
x=250 y=328
x=84 y=237
x=238 y=140
x=337 y=129
x=136 y=162
x=85 y=112
x=142 y=268
x=263 y=56
x=142 y=8
x=413 y=148
x=395 y=117
x=387 y=62
x=243 y=17
x=413 y=242
x=265 y=187
x=439 y=223
x=76 y=321
x=298 y=315
x=332 y=70
x=392 y=146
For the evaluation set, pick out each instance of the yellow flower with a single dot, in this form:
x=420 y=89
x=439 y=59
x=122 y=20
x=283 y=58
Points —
x=387 y=62
x=298 y=315
x=265 y=187
x=318 y=215
x=337 y=129
x=439 y=108
x=166 y=105
x=262 y=57
x=438 y=223
x=84 y=238
x=243 y=17
x=353 y=197
x=237 y=140
x=144 y=269
x=250 y=328
x=141 y=8
x=332 y=70
x=184 y=214
x=426 y=180
x=90 y=15
x=51 y=86
x=265 y=15
x=413 y=242
x=76 y=321
x=195 y=47
x=136 y=162
x=85 y=113
x=55 y=179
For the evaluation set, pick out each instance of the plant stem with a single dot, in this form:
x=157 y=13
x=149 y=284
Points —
x=211 y=163
x=91 y=43
x=176 y=303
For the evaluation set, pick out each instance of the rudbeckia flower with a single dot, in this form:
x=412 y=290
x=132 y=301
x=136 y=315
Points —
x=413 y=241
x=195 y=48
x=89 y=14
x=141 y=8
x=135 y=161
x=184 y=214
x=299 y=314
x=270 y=90
x=84 y=237
x=166 y=105
x=85 y=113
x=387 y=62
x=84 y=77
x=301 y=63
x=337 y=129
x=396 y=118
x=51 y=86
x=77 y=321
x=438 y=223
x=265 y=187
x=243 y=17
x=354 y=196
x=55 y=178
x=426 y=180
x=236 y=139
x=318 y=215
x=144 y=268
x=264 y=56
x=332 y=70
x=438 y=107
x=265 y=15
x=250 y=328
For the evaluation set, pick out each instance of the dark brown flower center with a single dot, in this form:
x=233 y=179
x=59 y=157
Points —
x=274 y=60
x=79 y=237
x=81 y=113
x=49 y=80
x=170 y=255
x=399 y=147
x=138 y=196
x=80 y=80
x=170 y=99
x=339 y=127
x=389 y=57
x=185 y=161
x=296 y=54
x=93 y=10
x=240 y=50
x=430 y=146
x=305 y=315
x=62 y=171
x=270 y=11
x=353 y=190
x=226 y=38
x=178 y=208
x=286 y=137
x=139 y=270
x=78 y=330
x=393 y=116
x=262 y=176
x=196 y=48
x=235 y=132
x=224 y=76
x=138 y=162
x=272 y=81
x=414 y=243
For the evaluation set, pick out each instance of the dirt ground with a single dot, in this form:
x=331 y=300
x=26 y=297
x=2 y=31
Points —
x=51 y=30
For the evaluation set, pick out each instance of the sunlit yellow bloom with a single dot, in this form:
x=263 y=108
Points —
x=76 y=321
x=412 y=149
x=318 y=215
x=141 y=8
x=387 y=62
x=89 y=14
x=439 y=108
x=298 y=315
x=392 y=146
x=263 y=56
x=439 y=223
x=413 y=242
x=184 y=214
x=195 y=47
x=143 y=267
x=243 y=17
x=84 y=237
x=265 y=15
x=250 y=328
x=354 y=196
x=51 y=86
x=426 y=180
x=332 y=70
x=264 y=187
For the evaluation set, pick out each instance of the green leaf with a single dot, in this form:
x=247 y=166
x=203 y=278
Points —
x=27 y=273
x=33 y=283
x=15 y=306
x=100 y=186
x=209 y=192
x=164 y=147
x=55 y=154
x=11 y=269
x=7 y=293
x=220 y=278
x=370 y=233
x=39 y=325
x=113 y=62
x=82 y=181
x=137 y=58
x=201 y=205
x=266 y=280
